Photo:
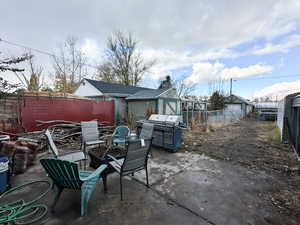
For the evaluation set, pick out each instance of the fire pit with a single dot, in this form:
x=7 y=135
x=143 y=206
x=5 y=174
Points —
x=99 y=156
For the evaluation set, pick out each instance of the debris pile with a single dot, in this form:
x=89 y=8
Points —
x=68 y=133
x=21 y=154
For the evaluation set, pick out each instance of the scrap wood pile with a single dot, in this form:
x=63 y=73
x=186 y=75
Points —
x=62 y=132
x=68 y=133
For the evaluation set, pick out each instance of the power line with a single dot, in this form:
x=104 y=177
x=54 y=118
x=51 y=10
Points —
x=95 y=67
x=38 y=50
x=30 y=48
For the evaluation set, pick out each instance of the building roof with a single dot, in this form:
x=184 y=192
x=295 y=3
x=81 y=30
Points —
x=147 y=94
x=266 y=105
x=236 y=99
x=110 y=88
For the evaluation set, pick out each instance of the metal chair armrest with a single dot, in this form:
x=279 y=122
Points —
x=114 y=159
x=28 y=139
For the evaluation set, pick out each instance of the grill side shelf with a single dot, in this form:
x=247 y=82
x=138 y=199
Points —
x=164 y=135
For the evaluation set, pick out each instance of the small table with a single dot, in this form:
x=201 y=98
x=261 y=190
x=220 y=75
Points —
x=97 y=159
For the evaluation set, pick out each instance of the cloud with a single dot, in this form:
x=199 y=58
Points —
x=196 y=27
x=278 y=91
x=90 y=48
x=175 y=33
x=205 y=71
x=166 y=60
x=285 y=46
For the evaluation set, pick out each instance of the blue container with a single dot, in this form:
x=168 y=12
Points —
x=3 y=174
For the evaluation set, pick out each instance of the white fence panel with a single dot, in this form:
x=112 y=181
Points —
x=280 y=116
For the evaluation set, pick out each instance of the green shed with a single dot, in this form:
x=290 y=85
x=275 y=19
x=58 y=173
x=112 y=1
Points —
x=158 y=101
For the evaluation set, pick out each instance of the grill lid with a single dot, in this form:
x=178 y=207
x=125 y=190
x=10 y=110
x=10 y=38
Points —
x=171 y=119
x=158 y=117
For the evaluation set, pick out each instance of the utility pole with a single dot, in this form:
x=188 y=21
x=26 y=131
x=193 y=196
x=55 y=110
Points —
x=230 y=86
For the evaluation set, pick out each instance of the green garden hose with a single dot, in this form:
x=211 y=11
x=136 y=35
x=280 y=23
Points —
x=21 y=212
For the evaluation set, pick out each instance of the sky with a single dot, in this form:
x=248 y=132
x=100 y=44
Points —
x=256 y=43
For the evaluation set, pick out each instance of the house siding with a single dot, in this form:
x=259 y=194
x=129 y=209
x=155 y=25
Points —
x=85 y=89
x=137 y=110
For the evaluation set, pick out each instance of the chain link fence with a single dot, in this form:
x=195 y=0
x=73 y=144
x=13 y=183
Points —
x=211 y=117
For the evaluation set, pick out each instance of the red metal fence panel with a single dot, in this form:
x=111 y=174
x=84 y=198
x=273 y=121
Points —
x=58 y=108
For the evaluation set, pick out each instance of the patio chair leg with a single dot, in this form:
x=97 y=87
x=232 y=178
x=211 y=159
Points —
x=151 y=154
x=104 y=180
x=59 y=191
x=121 y=189
x=85 y=197
x=147 y=176
x=83 y=147
x=85 y=155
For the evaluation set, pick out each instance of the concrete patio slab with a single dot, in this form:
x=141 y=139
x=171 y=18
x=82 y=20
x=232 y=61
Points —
x=186 y=188
x=140 y=206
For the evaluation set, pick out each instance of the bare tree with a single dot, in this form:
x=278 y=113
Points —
x=216 y=85
x=182 y=88
x=32 y=80
x=124 y=63
x=106 y=74
x=69 y=66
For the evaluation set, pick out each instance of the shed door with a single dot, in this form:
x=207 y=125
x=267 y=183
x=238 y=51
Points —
x=234 y=110
x=170 y=107
x=234 y=107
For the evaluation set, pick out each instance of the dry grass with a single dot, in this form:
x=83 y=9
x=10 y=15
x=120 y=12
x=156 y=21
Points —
x=287 y=200
x=274 y=134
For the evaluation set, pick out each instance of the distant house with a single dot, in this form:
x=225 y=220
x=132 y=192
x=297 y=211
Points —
x=267 y=110
x=238 y=106
x=193 y=103
x=109 y=91
x=160 y=101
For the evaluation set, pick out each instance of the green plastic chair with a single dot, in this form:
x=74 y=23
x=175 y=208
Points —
x=65 y=174
x=120 y=134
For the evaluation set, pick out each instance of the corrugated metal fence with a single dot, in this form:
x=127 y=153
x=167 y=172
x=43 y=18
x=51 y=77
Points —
x=289 y=121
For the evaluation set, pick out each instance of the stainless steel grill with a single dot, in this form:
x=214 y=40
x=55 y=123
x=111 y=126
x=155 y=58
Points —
x=167 y=131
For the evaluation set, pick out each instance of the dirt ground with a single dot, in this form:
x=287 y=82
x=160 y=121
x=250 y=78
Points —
x=254 y=145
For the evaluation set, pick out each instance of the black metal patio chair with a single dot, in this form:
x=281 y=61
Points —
x=136 y=159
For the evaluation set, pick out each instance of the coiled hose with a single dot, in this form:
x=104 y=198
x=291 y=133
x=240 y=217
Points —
x=20 y=211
